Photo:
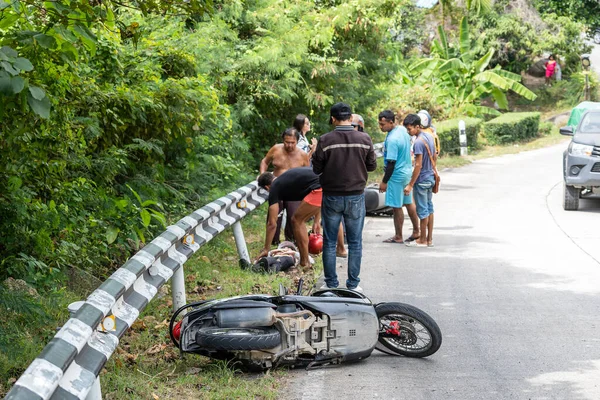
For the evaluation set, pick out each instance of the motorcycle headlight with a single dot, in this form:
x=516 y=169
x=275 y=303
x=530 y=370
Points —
x=577 y=149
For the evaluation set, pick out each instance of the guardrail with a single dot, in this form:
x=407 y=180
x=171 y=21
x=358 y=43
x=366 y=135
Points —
x=69 y=365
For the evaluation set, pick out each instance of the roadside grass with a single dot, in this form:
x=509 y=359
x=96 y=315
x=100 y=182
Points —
x=494 y=151
x=146 y=365
x=27 y=325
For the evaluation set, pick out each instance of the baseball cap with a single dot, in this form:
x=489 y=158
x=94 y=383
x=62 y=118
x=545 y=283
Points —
x=339 y=110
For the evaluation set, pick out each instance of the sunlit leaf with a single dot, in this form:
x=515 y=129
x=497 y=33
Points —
x=111 y=234
x=145 y=217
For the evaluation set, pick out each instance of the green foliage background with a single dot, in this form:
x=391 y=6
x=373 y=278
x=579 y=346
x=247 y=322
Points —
x=118 y=118
x=512 y=127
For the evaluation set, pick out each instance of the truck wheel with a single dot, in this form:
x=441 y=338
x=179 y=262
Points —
x=570 y=197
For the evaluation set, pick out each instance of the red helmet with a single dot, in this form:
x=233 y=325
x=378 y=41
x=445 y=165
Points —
x=315 y=243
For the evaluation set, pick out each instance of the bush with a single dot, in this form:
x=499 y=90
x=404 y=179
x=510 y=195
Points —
x=547 y=128
x=447 y=131
x=512 y=127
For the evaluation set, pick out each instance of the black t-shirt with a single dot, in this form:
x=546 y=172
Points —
x=293 y=185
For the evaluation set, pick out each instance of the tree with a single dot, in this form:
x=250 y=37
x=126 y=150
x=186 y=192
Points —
x=462 y=79
x=586 y=11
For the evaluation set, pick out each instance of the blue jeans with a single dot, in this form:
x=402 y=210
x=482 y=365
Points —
x=423 y=197
x=352 y=209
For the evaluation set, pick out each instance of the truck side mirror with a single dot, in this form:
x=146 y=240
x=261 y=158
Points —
x=567 y=131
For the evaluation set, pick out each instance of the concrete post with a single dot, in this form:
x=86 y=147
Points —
x=462 y=136
x=240 y=242
x=95 y=392
x=178 y=289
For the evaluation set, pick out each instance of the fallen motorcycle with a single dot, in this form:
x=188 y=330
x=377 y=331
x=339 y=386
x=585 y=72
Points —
x=328 y=327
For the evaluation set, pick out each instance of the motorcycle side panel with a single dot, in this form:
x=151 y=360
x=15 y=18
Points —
x=353 y=324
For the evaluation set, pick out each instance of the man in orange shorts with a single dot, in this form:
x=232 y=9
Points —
x=294 y=185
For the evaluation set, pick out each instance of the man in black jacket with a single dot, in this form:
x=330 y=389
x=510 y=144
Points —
x=343 y=158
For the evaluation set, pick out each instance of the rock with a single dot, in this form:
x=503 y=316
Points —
x=19 y=285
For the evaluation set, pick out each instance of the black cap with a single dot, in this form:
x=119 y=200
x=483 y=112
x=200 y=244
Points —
x=339 y=111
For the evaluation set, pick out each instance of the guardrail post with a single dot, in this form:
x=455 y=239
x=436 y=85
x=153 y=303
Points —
x=95 y=392
x=240 y=242
x=462 y=136
x=178 y=288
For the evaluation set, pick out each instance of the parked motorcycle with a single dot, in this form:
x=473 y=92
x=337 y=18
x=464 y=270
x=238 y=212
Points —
x=328 y=327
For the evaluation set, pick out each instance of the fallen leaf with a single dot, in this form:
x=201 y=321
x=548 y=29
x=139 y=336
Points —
x=139 y=325
x=162 y=324
x=157 y=348
x=205 y=259
x=131 y=358
x=170 y=356
x=155 y=397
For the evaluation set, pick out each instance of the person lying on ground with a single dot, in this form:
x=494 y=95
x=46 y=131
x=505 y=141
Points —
x=295 y=184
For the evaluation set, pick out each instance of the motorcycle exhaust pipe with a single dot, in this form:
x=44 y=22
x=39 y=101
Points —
x=254 y=317
x=245 y=317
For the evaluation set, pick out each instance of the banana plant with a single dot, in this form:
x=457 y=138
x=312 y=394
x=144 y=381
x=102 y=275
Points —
x=479 y=5
x=463 y=78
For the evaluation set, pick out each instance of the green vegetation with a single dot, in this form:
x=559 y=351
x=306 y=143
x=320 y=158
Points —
x=119 y=118
x=512 y=127
x=448 y=133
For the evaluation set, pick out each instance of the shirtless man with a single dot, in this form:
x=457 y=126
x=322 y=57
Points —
x=285 y=156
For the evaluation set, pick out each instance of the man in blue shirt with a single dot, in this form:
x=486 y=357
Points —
x=422 y=179
x=398 y=170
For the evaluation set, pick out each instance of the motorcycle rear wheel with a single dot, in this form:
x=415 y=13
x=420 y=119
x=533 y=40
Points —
x=238 y=338
x=420 y=336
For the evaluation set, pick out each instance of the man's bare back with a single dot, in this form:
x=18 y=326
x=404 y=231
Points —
x=283 y=159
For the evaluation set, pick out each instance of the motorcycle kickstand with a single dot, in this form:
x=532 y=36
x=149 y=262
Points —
x=321 y=363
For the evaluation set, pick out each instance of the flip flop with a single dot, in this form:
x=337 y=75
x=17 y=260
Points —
x=415 y=244
x=392 y=240
x=411 y=239
x=344 y=255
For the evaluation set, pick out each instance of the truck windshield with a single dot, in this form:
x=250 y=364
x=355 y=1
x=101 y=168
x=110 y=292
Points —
x=590 y=123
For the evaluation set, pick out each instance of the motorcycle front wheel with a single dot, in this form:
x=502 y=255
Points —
x=238 y=338
x=407 y=331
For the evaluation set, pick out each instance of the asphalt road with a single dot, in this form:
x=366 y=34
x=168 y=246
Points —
x=513 y=282
x=595 y=57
